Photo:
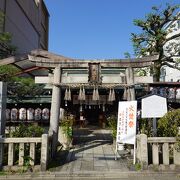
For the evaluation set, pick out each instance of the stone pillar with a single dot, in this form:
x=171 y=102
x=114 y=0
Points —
x=21 y=154
x=44 y=152
x=142 y=150
x=130 y=82
x=155 y=154
x=176 y=157
x=166 y=153
x=32 y=153
x=55 y=109
x=10 y=154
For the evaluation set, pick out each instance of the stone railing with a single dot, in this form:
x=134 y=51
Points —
x=20 y=143
x=160 y=150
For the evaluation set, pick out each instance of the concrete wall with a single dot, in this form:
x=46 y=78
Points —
x=172 y=75
x=24 y=35
x=2 y=3
x=25 y=20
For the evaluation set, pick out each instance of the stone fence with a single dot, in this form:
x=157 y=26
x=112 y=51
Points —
x=157 y=151
x=7 y=160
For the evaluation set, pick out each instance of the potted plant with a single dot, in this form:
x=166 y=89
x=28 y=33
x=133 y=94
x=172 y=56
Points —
x=112 y=123
x=66 y=131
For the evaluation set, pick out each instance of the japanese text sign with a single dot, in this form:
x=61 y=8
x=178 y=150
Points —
x=126 y=124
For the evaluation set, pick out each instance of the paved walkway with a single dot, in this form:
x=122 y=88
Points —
x=93 y=158
x=93 y=151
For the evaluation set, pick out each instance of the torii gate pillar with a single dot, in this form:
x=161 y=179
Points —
x=130 y=83
x=55 y=109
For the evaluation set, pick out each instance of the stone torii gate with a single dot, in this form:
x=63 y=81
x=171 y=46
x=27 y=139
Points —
x=48 y=60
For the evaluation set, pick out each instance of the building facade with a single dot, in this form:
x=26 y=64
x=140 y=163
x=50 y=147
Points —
x=28 y=22
x=169 y=74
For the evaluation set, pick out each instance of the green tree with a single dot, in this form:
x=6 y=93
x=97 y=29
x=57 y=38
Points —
x=20 y=87
x=168 y=125
x=154 y=38
x=27 y=131
x=7 y=72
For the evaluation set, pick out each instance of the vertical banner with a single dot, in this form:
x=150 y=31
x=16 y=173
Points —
x=126 y=125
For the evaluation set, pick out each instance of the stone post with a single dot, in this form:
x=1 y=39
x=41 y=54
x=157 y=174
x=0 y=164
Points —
x=142 y=150
x=166 y=153
x=21 y=154
x=130 y=82
x=55 y=109
x=32 y=154
x=155 y=153
x=10 y=154
x=176 y=157
x=44 y=152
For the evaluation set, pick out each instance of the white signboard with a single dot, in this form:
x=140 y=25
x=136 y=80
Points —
x=126 y=125
x=154 y=106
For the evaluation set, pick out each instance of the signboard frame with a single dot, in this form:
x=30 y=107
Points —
x=126 y=124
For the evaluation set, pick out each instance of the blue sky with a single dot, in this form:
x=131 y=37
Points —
x=95 y=29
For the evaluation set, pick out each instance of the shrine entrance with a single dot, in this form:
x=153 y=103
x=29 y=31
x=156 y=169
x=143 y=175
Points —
x=87 y=75
x=92 y=115
x=94 y=111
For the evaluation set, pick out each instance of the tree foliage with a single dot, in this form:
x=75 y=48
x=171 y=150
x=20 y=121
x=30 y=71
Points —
x=7 y=72
x=28 y=131
x=154 y=38
x=168 y=125
x=112 y=122
x=20 y=88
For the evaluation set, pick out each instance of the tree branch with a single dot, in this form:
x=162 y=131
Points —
x=170 y=65
x=172 y=37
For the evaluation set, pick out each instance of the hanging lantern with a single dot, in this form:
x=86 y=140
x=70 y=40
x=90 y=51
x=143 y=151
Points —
x=65 y=103
x=110 y=95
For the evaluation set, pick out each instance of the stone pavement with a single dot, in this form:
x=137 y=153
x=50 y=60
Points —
x=92 y=157
x=95 y=176
x=93 y=151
